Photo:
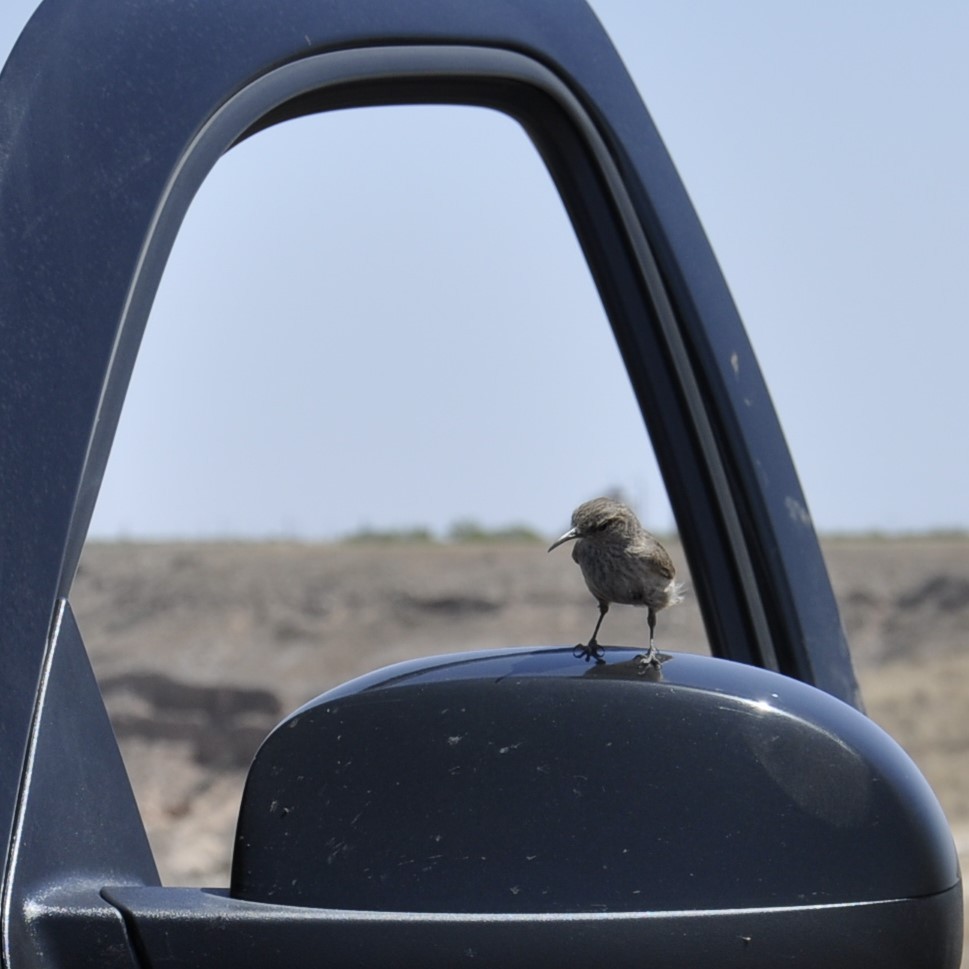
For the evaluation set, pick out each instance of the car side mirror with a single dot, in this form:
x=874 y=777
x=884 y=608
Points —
x=708 y=813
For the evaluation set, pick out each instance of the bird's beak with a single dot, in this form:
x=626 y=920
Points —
x=567 y=537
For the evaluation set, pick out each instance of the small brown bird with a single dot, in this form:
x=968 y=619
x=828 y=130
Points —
x=621 y=562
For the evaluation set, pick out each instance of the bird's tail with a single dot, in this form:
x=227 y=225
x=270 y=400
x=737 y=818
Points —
x=676 y=593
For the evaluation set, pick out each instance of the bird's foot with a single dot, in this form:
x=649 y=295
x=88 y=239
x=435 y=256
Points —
x=652 y=659
x=588 y=651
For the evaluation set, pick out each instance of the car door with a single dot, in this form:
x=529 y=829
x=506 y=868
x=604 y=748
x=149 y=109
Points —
x=111 y=115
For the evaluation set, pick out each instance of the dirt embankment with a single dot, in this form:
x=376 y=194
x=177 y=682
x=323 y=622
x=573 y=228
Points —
x=201 y=648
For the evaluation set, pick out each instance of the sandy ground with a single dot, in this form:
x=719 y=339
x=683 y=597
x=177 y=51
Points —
x=201 y=648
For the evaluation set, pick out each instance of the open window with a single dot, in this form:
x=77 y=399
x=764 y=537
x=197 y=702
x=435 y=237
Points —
x=394 y=371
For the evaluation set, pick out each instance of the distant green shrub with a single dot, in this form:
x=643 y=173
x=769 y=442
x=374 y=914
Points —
x=462 y=531
x=376 y=536
x=468 y=530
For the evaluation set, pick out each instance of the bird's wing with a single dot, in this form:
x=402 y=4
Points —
x=659 y=559
x=665 y=567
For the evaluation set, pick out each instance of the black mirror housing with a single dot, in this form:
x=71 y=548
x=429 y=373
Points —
x=528 y=784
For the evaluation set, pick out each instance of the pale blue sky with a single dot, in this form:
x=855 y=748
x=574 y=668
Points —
x=826 y=148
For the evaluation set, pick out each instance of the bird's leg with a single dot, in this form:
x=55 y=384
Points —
x=649 y=658
x=591 y=649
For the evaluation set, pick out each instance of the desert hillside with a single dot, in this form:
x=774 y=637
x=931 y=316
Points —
x=201 y=648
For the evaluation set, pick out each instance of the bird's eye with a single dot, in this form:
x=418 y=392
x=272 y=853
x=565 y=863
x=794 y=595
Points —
x=602 y=526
